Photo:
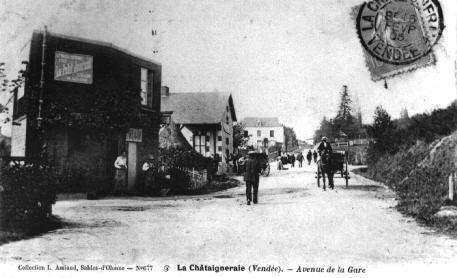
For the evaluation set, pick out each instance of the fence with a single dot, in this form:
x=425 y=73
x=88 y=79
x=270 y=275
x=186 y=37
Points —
x=198 y=179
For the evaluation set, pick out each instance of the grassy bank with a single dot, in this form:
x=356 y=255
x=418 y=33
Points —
x=419 y=176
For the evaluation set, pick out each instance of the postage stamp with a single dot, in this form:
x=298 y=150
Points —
x=398 y=35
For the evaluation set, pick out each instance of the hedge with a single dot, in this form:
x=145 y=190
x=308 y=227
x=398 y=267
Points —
x=27 y=192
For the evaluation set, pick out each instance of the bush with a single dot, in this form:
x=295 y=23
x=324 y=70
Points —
x=28 y=191
x=418 y=174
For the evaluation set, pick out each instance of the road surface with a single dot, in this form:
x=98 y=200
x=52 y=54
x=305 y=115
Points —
x=294 y=223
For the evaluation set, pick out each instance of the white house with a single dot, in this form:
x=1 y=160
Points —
x=261 y=131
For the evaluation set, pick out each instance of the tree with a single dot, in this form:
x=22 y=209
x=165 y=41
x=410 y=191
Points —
x=9 y=87
x=382 y=130
x=325 y=129
x=345 y=109
x=404 y=122
x=239 y=140
x=290 y=137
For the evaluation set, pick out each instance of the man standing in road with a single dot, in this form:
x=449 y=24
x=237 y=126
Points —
x=251 y=177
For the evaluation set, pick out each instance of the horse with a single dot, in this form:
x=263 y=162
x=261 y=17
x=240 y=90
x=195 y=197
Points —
x=326 y=167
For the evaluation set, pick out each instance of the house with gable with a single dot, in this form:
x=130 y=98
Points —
x=263 y=131
x=204 y=120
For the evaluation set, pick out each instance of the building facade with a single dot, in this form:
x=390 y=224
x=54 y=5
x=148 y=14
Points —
x=263 y=132
x=96 y=101
x=205 y=120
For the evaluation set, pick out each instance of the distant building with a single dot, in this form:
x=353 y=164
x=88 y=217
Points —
x=263 y=131
x=204 y=120
x=74 y=70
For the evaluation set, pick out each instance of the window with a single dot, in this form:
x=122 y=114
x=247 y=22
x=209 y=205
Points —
x=246 y=134
x=219 y=138
x=200 y=144
x=227 y=141
x=219 y=148
x=259 y=133
x=146 y=87
x=272 y=133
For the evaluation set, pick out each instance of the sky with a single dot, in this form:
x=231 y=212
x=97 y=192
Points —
x=286 y=59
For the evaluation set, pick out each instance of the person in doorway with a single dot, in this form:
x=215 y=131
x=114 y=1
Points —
x=309 y=157
x=150 y=169
x=120 y=177
x=251 y=177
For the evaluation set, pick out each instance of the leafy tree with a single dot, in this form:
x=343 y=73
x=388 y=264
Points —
x=382 y=130
x=8 y=87
x=325 y=129
x=239 y=140
x=290 y=137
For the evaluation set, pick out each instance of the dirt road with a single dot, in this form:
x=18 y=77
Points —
x=294 y=223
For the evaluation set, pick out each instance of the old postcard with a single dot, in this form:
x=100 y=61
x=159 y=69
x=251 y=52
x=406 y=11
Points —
x=208 y=137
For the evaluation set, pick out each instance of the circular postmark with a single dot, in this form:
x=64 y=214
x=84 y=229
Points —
x=400 y=32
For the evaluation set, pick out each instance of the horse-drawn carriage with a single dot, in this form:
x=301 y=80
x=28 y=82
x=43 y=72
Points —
x=330 y=164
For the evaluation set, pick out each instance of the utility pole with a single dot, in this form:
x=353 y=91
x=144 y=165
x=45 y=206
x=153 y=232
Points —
x=43 y=151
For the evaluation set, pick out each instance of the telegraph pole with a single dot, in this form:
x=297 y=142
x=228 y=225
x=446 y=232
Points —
x=42 y=144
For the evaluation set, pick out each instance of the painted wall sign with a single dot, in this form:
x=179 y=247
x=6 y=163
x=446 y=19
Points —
x=18 y=135
x=134 y=135
x=71 y=67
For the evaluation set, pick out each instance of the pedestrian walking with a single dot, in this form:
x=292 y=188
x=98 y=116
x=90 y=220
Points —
x=251 y=177
x=280 y=165
x=284 y=159
x=309 y=156
x=300 y=159
x=315 y=156
x=120 y=176
x=292 y=160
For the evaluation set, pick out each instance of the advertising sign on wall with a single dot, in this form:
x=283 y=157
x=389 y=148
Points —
x=71 y=67
x=134 y=135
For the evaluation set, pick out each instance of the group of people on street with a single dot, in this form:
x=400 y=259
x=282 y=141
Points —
x=290 y=158
x=252 y=169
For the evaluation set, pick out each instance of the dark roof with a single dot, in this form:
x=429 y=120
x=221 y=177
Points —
x=198 y=108
x=96 y=42
x=265 y=121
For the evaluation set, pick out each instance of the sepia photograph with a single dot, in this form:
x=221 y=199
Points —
x=150 y=138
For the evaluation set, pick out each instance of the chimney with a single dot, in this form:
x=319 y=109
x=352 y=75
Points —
x=164 y=91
